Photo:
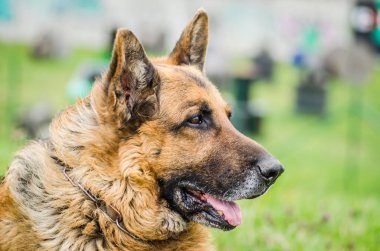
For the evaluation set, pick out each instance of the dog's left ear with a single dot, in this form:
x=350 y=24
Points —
x=192 y=45
x=132 y=81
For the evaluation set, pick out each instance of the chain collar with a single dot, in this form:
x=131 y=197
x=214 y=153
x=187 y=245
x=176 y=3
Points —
x=111 y=213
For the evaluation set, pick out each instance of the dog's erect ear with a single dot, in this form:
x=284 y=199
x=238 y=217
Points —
x=132 y=81
x=192 y=45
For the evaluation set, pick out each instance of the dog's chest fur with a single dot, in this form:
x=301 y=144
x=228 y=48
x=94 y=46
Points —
x=55 y=215
x=61 y=218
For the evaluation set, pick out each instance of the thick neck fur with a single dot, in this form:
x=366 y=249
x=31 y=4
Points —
x=114 y=170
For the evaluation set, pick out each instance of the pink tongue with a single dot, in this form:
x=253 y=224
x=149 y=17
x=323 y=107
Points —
x=231 y=210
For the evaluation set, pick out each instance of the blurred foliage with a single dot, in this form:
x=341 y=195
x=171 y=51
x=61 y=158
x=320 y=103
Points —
x=309 y=208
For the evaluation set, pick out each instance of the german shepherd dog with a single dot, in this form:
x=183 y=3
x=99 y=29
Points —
x=146 y=162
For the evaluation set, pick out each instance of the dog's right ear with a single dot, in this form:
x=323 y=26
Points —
x=192 y=46
x=131 y=82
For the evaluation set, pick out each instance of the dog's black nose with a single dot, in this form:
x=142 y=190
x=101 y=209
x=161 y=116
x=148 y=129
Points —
x=270 y=168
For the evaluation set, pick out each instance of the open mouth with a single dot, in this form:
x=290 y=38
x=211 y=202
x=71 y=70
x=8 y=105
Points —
x=229 y=211
x=206 y=209
x=211 y=203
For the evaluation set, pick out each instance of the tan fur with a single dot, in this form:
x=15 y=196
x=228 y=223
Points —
x=118 y=143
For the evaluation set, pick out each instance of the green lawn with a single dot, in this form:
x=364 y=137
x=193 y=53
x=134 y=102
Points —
x=320 y=203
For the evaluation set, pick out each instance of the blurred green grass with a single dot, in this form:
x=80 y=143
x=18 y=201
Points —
x=317 y=204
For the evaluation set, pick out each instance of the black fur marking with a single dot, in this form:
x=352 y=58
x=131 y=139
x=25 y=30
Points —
x=185 y=59
x=76 y=148
x=74 y=132
x=149 y=74
x=33 y=200
x=112 y=69
x=61 y=209
x=157 y=152
x=118 y=94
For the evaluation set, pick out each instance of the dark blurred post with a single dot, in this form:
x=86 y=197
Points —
x=248 y=117
x=245 y=119
x=311 y=93
x=264 y=65
x=242 y=97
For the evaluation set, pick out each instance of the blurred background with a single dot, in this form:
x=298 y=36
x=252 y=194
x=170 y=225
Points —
x=303 y=78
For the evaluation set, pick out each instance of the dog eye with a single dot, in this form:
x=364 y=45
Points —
x=197 y=120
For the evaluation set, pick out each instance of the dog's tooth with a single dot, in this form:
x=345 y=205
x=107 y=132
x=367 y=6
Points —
x=220 y=212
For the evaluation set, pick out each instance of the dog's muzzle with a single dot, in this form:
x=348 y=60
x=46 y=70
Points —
x=197 y=200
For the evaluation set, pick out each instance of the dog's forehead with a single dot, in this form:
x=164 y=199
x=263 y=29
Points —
x=184 y=74
x=185 y=84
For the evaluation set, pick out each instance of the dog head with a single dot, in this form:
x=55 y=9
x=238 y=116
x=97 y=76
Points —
x=180 y=125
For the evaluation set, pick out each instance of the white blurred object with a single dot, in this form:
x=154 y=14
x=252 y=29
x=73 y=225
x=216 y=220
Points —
x=36 y=119
x=50 y=44
x=356 y=64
